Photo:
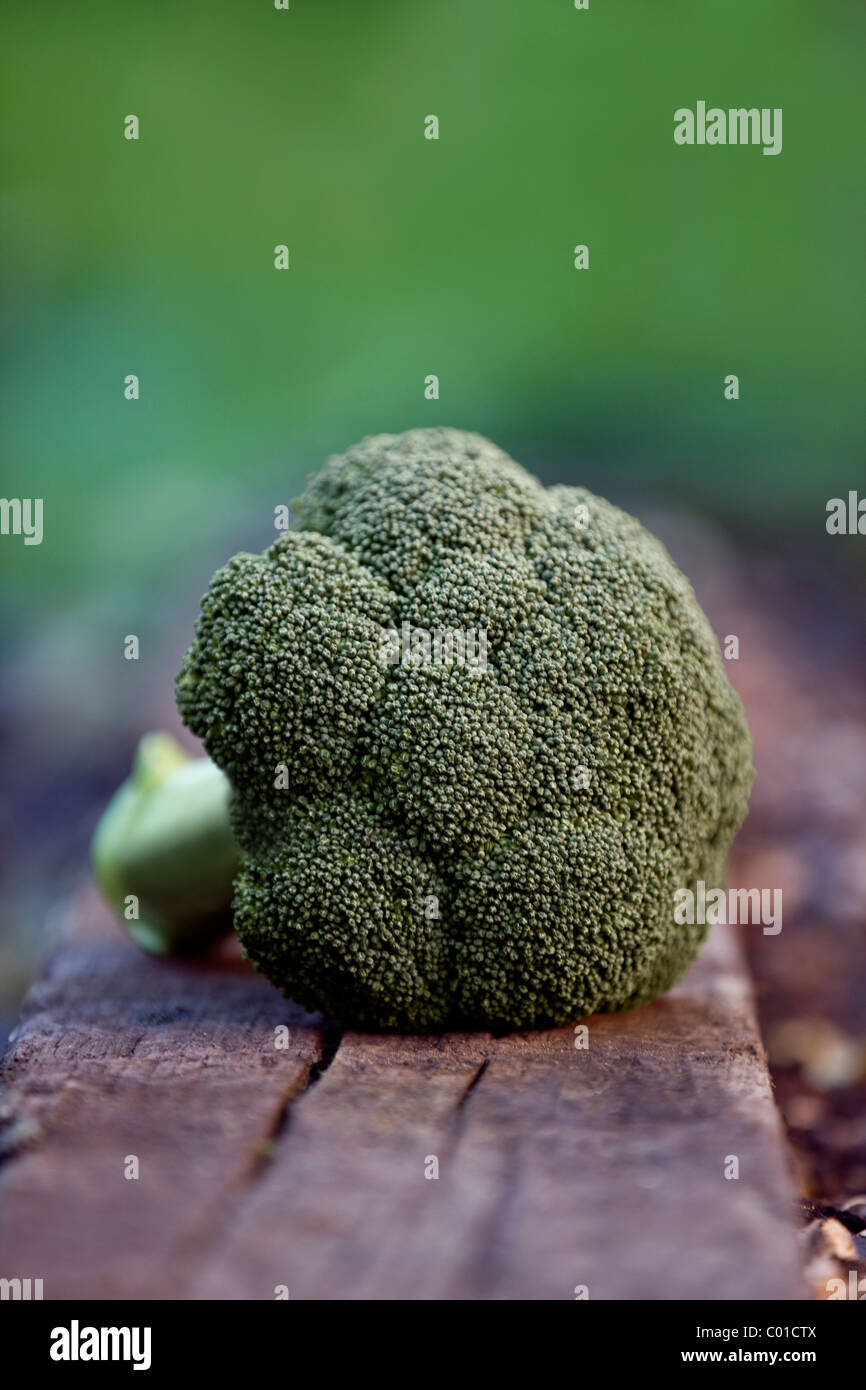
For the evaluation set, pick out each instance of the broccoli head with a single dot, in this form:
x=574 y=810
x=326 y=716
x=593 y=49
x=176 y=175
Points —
x=478 y=732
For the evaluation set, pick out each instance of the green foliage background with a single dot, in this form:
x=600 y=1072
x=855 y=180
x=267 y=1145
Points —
x=411 y=256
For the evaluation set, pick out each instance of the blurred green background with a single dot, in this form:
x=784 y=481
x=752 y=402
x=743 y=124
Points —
x=408 y=257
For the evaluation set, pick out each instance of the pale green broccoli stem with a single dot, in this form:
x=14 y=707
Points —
x=163 y=853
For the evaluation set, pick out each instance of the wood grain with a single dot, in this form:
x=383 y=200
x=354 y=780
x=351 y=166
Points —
x=262 y=1168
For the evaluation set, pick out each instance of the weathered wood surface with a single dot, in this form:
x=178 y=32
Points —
x=304 y=1167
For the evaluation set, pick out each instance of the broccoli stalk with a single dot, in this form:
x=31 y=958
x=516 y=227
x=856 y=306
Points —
x=163 y=853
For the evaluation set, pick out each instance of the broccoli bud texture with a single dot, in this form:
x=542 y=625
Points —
x=433 y=841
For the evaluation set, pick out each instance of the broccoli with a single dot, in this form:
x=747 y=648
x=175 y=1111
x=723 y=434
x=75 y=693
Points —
x=163 y=852
x=435 y=840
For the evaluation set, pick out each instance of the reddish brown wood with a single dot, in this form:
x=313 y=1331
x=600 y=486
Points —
x=120 y=1054
x=557 y=1167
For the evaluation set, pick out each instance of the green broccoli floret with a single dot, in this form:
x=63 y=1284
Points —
x=437 y=836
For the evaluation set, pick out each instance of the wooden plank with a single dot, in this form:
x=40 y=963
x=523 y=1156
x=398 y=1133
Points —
x=557 y=1167
x=119 y=1055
